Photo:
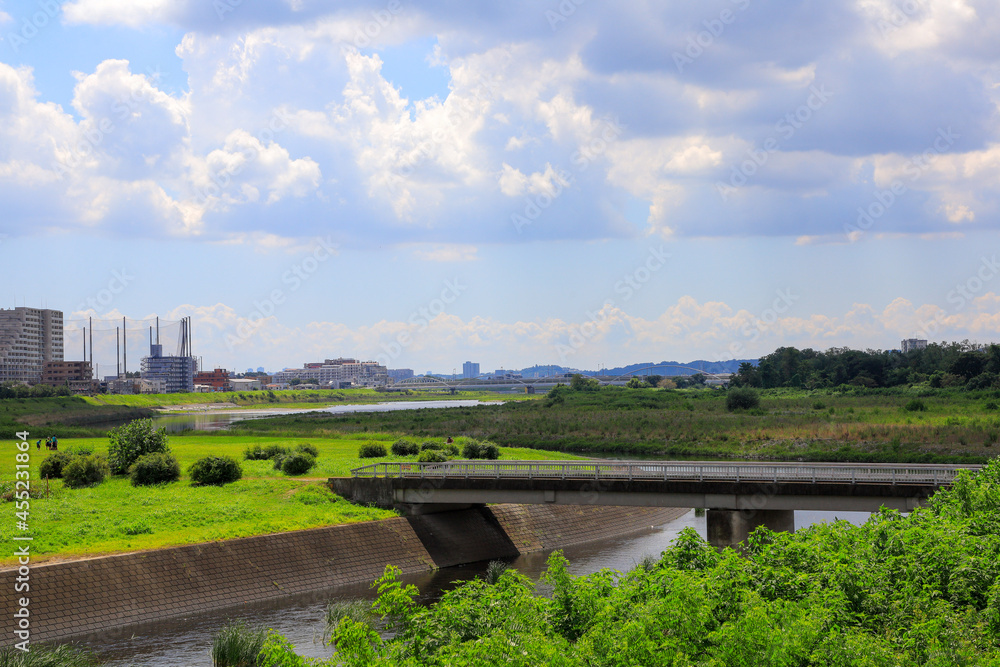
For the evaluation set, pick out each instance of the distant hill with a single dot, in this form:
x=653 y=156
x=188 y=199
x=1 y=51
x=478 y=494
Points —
x=662 y=368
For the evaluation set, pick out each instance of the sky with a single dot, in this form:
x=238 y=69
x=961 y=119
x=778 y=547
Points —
x=577 y=183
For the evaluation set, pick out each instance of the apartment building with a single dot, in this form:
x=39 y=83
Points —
x=29 y=338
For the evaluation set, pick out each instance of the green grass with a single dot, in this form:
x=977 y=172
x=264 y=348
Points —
x=266 y=399
x=861 y=425
x=116 y=517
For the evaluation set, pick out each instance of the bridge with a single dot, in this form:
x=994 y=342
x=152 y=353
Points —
x=738 y=496
x=487 y=382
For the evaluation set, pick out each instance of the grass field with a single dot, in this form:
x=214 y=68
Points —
x=115 y=517
x=867 y=425
x=265 y=399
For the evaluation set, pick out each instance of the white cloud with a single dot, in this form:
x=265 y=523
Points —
x=447 y=253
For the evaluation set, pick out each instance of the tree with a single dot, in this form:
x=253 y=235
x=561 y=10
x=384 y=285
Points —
x=128 y=442
x=635 y=383
x=580 y=383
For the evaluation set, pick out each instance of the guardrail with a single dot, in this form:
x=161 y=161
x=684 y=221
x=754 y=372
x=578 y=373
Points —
x=670 y=471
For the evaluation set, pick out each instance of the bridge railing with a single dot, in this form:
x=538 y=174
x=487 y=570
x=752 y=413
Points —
x=667 y=471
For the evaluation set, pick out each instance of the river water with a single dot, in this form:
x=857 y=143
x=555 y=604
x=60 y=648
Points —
x=187 y=642
x=215 y=420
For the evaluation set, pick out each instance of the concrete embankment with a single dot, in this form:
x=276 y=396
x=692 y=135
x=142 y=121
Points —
x=99 y=594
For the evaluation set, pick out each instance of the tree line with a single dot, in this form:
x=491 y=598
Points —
x=964 y=365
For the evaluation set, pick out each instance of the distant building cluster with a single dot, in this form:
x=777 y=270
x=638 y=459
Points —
x=337 y=373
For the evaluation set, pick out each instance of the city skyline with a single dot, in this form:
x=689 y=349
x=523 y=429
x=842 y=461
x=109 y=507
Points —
x=568 y=184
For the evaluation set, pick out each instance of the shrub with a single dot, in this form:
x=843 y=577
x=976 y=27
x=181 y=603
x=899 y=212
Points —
x=430 y=445
x=451 y=450
x=237 y=645
x=990 y=405
x=481 y=450
x=130 y=441
x=819 y=405
x=215 y=470
x=255 y=453
x=405 y=448
x=154 y=469
x=297 y=464
x=371 y=450
x=54 y=464
x=306 y=448
x=432 y=456
x=85 y=471
x=278 y=460
x=742 y=398
x=915 y=405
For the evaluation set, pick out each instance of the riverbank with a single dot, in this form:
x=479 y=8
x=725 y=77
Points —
x=116 y=517
x=94 y=595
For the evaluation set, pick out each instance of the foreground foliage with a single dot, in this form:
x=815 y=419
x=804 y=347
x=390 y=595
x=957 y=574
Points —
x=922 y=589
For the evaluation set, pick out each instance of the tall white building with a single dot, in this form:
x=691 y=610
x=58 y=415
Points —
x=909 y=344
x=470 y=370
x=29 y=338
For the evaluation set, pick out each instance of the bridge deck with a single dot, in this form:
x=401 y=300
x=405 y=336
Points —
x=920 y=474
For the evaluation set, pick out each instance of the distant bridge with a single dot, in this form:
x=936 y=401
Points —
x=739 y=496
x=486 y=382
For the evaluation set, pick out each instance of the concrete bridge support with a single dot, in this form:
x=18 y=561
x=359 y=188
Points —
x=727 y=528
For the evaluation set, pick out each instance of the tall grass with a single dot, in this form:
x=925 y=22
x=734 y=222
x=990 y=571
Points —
x=237 y=645
x=41 y=655
x=356 y=610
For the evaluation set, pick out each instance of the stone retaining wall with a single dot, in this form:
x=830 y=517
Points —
x=87 y=596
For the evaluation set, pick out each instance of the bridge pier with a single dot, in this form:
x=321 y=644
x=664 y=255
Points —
x=727 y=528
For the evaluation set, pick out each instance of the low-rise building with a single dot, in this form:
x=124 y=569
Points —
x=360 y=373
x=217 y=379
x=246 y=384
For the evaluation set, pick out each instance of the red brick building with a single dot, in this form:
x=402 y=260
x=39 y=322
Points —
x=218 y=379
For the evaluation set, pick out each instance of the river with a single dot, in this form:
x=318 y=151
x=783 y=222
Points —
x=215 y=420
x=187 y=641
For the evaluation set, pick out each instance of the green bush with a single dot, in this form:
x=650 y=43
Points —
x=85 y=471
x=306 y=448
x=130 y=441
x=297 y=464
x=819 y=405
x=451 y=450
x=264 y=452
x=742 y=398
x=215 y=471
x=279 y=460
x=990 y=405
x=53 y=464
x=154 y=469
x=371 y=450
x=481 y=450
x=432 y=456
x=430 y=445
x=915 y=405
x=405 y=448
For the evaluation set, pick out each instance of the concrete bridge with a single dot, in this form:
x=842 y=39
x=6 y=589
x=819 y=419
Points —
x=738 y=496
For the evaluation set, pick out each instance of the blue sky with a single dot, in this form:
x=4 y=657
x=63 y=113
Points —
x=511 y=183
